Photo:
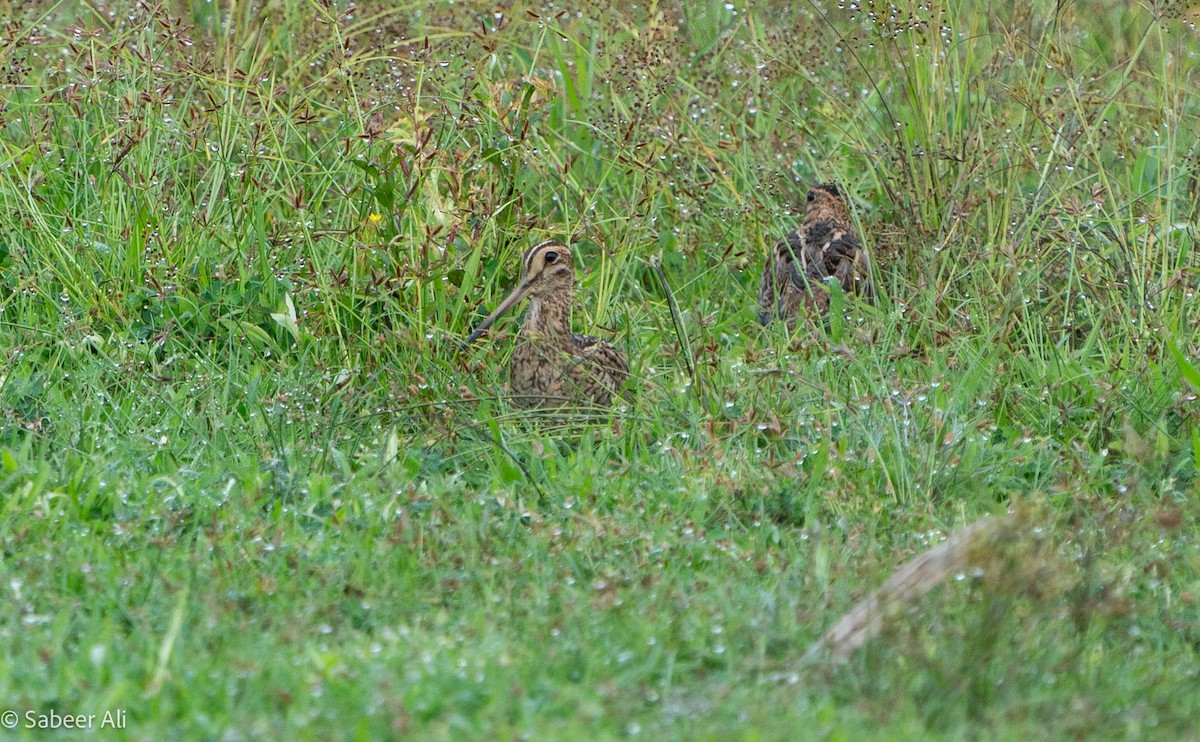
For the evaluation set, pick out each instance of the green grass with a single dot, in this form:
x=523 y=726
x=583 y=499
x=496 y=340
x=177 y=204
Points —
x=249 y=488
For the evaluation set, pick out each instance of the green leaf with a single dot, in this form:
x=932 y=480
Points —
x=287 y=318
x=366 y=167
x=256 y=335
x=1186 y=369
x=837 y=303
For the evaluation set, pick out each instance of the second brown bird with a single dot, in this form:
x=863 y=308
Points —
x=825 y=245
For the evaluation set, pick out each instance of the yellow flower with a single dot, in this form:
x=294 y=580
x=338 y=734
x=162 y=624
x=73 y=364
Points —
x=375 y=218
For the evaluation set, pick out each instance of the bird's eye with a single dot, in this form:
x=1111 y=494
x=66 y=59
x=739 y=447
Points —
x=811 y=197
x=551 y=257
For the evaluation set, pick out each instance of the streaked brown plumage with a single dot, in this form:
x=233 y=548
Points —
x=551 y=365
x=824 y=245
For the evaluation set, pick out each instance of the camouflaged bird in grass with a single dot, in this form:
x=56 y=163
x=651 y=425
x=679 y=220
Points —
x=825 y=245
x=552 y=366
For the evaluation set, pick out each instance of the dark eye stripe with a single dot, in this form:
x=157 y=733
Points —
x=527 y=258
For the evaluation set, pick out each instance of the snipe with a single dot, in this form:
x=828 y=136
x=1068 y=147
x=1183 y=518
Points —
x=824 y=245
x=551 y=365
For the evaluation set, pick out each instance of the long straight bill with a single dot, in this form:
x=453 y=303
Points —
x=517 y=294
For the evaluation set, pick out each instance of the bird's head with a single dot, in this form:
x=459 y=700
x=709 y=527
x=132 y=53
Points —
x=546 y=270
x=826 y=201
